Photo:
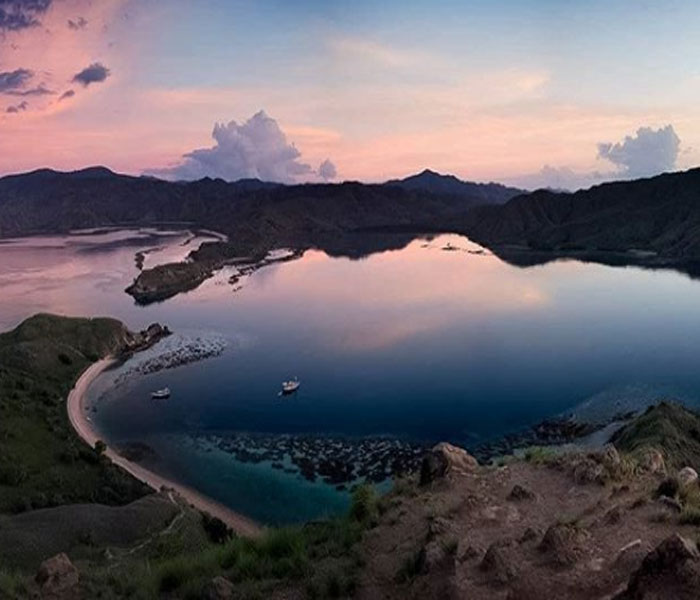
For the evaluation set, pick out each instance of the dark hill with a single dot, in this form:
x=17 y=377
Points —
x=42 y=463
x=50 y=201
x=671 y=428
x=659 y=215
x=449 y=185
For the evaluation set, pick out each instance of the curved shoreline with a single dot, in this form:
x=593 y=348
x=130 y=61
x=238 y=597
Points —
x=74 y=404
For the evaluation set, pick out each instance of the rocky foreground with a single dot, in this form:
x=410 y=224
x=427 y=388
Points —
x=618 y=523
x=601 y=525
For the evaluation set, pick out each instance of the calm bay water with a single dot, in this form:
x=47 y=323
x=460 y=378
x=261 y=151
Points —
x=422 y=344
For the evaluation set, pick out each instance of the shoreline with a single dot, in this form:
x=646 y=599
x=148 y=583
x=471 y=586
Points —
x=76 y=415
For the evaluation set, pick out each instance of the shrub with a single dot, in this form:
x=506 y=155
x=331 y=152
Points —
x=217 y=531
x=12 y=585
x=364 y=503
x=539 y=455
x=176 y=572
x=100 y=447
x=13 y=473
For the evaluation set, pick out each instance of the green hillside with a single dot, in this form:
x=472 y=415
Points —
x=42 y=461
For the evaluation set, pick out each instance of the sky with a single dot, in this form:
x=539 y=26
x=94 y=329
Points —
x=535 y=93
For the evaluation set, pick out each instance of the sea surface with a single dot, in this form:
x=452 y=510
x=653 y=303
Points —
x=439 y=340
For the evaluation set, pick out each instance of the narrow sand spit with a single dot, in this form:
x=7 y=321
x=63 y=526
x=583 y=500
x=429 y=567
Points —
x=76 y=414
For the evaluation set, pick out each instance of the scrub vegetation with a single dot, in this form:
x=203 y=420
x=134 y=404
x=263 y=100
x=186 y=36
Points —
x=42 y=461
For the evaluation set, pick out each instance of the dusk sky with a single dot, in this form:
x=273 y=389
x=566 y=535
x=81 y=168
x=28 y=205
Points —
x=529 y=93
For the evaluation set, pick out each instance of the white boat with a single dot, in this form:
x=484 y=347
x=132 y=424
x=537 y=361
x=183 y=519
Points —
x=291 y=386
x=161 y=394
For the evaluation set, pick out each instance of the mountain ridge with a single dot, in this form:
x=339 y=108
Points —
x=438 y=183
x=658 y=215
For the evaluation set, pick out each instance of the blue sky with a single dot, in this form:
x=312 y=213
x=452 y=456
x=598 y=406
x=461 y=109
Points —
x=487 y=90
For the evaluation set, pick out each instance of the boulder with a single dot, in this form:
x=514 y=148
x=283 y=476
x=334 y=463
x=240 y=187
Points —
x=219 y=588
x=670 y=503
x=613 y=516
x=671 y=570
x=500 y=562
x=519 y=493
x=653 y=461
x=467 y=552
x=564 y=543
x=57 y=577
x=610 y=457
x=687 y=476
x=439 y=527
x=433 y=557
x=529 y=535
x=631 y=555
x=588 y=470
x=443 y=459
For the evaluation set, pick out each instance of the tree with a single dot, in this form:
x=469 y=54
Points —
x=100 y=447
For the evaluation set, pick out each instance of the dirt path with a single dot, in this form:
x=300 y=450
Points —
x=75 y=405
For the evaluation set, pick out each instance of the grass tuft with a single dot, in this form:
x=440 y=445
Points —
x=540 y=455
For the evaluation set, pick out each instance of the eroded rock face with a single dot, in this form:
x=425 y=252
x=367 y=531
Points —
x=57 y=577
x=671 y=570
x=445 y=458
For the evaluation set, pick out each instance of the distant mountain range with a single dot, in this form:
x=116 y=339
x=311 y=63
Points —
x=48 y=201
x=656 y=219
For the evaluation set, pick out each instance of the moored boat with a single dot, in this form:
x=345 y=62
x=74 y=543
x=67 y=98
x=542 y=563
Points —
x=291 y=386
x=161 y=394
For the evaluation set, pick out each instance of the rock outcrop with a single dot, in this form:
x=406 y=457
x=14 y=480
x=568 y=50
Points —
x=519 y=493
x=564 y=543
x=143 y=340
x=445 y=458
x=687 y=476
x=57 y=578
x=671 y=570
x=653 y=461
x=499 y=562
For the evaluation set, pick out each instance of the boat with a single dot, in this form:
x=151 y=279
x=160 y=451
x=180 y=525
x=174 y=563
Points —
x=291 y=386
x=161 y=394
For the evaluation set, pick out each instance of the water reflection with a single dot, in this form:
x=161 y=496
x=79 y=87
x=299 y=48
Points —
x=434 y=339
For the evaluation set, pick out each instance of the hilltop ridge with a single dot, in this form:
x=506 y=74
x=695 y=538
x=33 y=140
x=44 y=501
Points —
x=437 y=183
x=653 y=221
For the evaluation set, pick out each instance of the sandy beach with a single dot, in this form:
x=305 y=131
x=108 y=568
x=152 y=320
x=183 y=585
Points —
x=76 y=414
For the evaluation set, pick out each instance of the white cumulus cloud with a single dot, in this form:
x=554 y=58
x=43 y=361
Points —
x=648 y=152
x=257 y=148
